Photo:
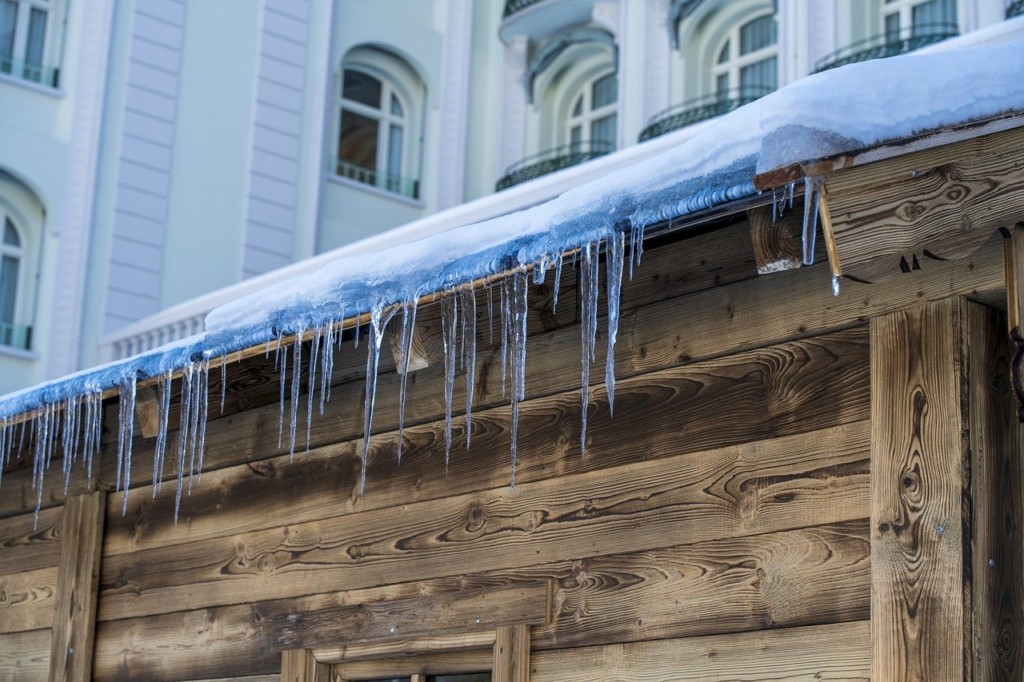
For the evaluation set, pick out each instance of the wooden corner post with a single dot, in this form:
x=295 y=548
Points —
x=512 y=654
x=300 y=665
x=78 y=575
x=945 y=496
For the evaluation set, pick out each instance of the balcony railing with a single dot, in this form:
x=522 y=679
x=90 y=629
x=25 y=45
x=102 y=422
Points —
x=1015 y=9
x=37 y=73
x=513 y=6
x=16 y=336
x=396 y=184
x=887 y=44
x=700 y=109
x=552 y=160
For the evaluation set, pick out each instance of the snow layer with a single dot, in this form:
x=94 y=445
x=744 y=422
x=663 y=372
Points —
x=843 y=110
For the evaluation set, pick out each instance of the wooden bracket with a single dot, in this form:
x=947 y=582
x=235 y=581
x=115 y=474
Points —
x=1014 y=272
x=830 y=238
x=776 y=240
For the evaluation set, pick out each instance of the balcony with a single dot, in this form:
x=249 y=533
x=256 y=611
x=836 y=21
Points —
x=15 y=336
x=552 y=160
x=36 y=73
x=395 y=184
x=700 y=109
x=513 y=6
x=537 y=20
x=1015 y=9
x=887 y=44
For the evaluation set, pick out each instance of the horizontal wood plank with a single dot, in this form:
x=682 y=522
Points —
x=27 y=544
x=25 y=655
x=788 y=389
x=826 y=652
x=27 y=600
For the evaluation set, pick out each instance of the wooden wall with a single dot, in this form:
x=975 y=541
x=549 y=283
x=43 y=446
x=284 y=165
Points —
x=775 y=454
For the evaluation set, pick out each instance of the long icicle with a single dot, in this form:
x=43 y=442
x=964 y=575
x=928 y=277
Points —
x=296 y=388
x=613 y=268
x=520 y=288
x=449 y=331
x=469 y=317
x=408 y=334
x=127 y=420
x=378 y=321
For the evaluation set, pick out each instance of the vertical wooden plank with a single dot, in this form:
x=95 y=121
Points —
x=300 y=665
x=997 y=483
x=512 y=654
x=920 y=506
x=78 y=573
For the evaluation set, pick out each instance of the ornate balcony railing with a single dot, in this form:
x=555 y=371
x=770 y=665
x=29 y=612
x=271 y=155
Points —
x=37 y=73
x=396 y=184
x=1015 y=9
x=513 y=6
x=700 y=109
x=552 y=160
x=887 y=44
x=16 y=336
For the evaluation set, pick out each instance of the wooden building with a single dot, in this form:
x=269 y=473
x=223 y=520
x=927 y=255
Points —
x=793 y=485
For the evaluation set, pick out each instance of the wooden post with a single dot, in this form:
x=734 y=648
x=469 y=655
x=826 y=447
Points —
x=512 y=654
x=947 y=546
x=78 y=574
x=300 y=665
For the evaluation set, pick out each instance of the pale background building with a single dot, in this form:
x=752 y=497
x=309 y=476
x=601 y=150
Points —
x=158 y=157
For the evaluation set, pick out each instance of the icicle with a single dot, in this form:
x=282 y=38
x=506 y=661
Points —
x=613 y=263
x=311 y=384
x=810 y=227
x=126 y=420
x=588 y=328
x=327 y=358
x=408 y=333
x=223 y=381
x=469 y=318
x=185 y=408
x=557 y=282
x=540 y=270
x=377 y=325
x=198 y=395
x=296 y=386
x=506 y=323
x=283 y=376
x=204 y=406
x=490 y=314
x=163 y=406
x=520 y=285
x=636 y=247
x=449 y=327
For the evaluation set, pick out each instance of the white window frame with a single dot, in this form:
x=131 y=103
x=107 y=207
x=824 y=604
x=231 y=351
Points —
x=23 y=12
x=587 y=113
x=383 y=115
x=735 y=63
x=19 y=252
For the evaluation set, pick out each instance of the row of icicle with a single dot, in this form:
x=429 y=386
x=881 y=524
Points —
x=76 y=423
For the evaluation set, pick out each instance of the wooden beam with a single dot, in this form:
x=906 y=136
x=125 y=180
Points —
x=920 y=502
x=300 y=665
x=78 y=575
x=776 y=239
x=420 y=357
x=512 y=654
x=997 y=489
x=146 y=411
x=431 y=644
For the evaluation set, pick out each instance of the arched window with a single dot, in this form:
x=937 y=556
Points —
x=911 y=18
x=11 y=256
x=378 y=103
x=748 y=60
x=594 y=114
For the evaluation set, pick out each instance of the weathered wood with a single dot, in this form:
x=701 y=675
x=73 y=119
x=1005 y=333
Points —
x=776 y=239
x=793 y=578
x=27 y=600
x=300 y=665
x=27 y=544
x=805 y=385
x=25 y=655
x=997 y=489
x=730 y=492
x=420 y=356
x=462 y=611
x=944 y=203
x=77 y=582
x=147 y=417
x=512 y=654
x=435 y=664
x=826 y=652
x=920 y=504
x=1014 y=267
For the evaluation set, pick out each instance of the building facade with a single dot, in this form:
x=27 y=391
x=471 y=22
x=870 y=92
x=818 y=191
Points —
x=159 y=156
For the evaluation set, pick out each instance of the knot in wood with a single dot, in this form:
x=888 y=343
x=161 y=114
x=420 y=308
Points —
x=909 y=211
x=476 y=518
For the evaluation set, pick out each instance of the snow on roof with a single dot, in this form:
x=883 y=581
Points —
x=843 y=110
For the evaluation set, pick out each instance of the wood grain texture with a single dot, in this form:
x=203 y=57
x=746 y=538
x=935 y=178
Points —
x=920 y=511
x=300 y=665
x=512 y=654
x=416 y=646
x=997 y=488
x=28 y=544
x=434 y=664
x=826 y=652
x=458 y=611
x=944 y=203
x=25 y=655
x=787 y=389
x=743 y=490
x=777 y=240
x=801 y=577
x=74 y=617
x=27 y=600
